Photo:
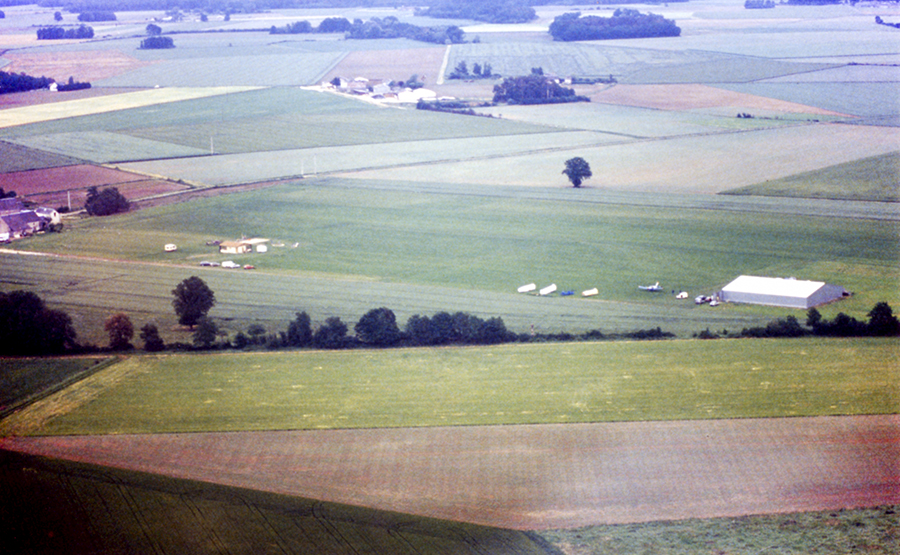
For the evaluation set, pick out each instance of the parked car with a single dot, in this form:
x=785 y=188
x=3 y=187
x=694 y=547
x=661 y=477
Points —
x=249 y=267
x=209 y=263
x=230 y=264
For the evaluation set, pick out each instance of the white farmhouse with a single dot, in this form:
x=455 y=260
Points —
x=787 y=292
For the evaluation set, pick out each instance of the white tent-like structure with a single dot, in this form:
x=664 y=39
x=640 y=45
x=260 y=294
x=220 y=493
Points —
x=787 y=292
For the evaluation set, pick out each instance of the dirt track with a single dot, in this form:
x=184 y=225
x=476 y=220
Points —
x=541 y=476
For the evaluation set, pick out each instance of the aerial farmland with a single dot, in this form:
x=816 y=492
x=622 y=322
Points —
x=617 y=415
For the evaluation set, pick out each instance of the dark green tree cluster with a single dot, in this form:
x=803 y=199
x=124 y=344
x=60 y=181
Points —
x=327 y=25
x=534 y=89
x=97 y=16
x=504 y=11
x=880 y=21
x=882 y=323
x=72 y=85
x=392 y=28
x=456 y=329
x=30 y=328
x=56 y=32
x=626 y=23
x=2 y=14
x=157 y=43
x=19 y=82
x=105 y=202
x=479 y=71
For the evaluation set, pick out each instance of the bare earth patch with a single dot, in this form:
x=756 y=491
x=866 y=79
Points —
x=398 y=65
x=91 y=65
x=536 y=477
x=693 y=97
x=55 y=186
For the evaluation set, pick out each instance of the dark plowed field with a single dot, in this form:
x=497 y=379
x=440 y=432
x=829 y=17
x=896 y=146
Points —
x=540 y=476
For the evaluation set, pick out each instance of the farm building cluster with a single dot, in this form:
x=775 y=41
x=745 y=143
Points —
x=17 y=221
x=380 y=89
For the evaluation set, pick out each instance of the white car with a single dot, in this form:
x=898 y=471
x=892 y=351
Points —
x=230 y=264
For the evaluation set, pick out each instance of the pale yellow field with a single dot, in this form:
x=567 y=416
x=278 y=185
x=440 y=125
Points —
x=99 y=105
x=696 y=164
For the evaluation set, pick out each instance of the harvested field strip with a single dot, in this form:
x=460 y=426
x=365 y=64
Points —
x=53 y=506
x=83 y=65
x=50 y=180
x=536 y=477
x=103 y=147
x=683 y=164
x=96 y=105
x=84 y=391
x=694 y=97
x=17 y=158
x=263 y=166
x=507 y=384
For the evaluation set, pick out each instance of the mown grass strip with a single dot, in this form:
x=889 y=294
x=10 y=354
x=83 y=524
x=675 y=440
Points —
x=511 y=384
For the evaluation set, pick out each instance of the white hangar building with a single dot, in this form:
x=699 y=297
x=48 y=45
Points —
x=787 y=292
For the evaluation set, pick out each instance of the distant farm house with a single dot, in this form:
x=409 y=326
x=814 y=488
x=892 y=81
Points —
x=786 y=292
x=243 y=246
x=16 y=221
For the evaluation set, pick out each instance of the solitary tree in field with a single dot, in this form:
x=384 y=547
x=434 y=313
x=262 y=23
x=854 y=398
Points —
x=577 y=169
x=153 y=29
x=120 y=330
x=193 y=299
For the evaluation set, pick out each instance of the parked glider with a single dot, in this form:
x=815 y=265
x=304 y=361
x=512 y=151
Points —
x=653 y=288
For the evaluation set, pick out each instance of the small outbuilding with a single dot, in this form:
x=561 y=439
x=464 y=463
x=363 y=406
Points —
x=786 y=292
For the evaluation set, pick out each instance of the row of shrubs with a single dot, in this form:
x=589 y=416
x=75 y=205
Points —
x=882 y=323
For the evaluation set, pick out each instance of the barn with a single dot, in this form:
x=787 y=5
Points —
x=787 y=292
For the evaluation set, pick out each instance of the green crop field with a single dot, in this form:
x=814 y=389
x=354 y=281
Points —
x=416 y=258
x=511 y=384
x=869 y=179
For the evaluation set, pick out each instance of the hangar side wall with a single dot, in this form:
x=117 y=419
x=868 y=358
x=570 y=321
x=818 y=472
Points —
x=761 y=298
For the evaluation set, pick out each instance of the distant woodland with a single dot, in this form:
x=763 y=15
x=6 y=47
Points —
x=625 y=23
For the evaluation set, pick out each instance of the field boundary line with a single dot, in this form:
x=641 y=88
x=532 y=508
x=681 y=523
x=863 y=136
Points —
x=440 y=77
x=33 y=417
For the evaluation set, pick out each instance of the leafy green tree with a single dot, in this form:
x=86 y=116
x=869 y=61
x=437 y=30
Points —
x=205 y=334
x=577 y=170
x=120 y=330
x=57 y=16
x=153 y=29
x=378 y=327
x=157 y=43
x=299 y=332
x=240 y=340
x=331 y=335
x=150 y=336
x=30 y=328
x=105 y=202
x=257 y=334
x=193 y=299
x=882 y=321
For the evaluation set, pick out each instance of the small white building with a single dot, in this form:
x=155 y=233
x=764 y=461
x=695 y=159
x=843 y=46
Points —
x=786 y=292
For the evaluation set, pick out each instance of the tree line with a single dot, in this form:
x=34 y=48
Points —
x=375 y=28
x=625 y=23
x=882 y=323
x=55 y=32
x=504 y=11
x=31 y=328
x=20 y=82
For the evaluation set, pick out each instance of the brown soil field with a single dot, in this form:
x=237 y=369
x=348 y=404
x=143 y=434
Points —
x=51 y=186
x=398 y=65
x=32 y=98
x=693 y=97
x=90 y=65
x=536 y=477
